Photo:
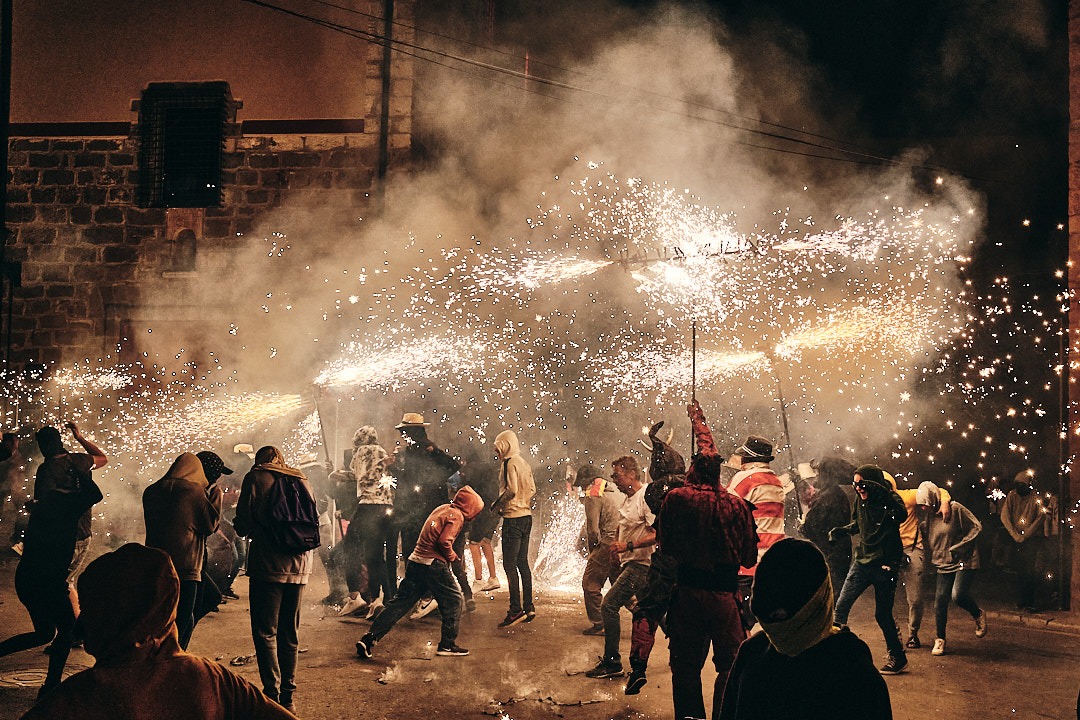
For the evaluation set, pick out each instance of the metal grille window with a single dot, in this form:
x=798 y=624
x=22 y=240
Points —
x=182 y=129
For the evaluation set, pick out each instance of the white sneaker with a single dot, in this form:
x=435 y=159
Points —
x=353 y=606
x=423 y=609
x=939 y=647
x=491 y=584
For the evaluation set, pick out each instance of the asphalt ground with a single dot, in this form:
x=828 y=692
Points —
x=1028 y=666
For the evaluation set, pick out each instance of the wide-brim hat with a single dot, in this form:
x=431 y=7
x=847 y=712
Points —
x=411 y=420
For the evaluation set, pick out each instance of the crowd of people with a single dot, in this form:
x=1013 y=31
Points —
x=702 y=550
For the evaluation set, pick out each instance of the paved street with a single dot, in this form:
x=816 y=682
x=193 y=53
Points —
x=1025 y=668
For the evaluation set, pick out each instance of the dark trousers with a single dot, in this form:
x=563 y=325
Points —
x=631 y=579
x=275 y=620
x=1025 y=561
x=436 y=580
x=697 y=620
x=371 y=530
x=458 y=566
x=958 y=586
x=185 y=611
x=653 y=602
x=883 y=579
x=53 y=619
x=515 y=552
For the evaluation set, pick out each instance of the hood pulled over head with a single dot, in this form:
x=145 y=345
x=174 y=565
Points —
x=468 y=501
x=365 y=435
x=928 y=494
x=127 y=602
x=188 y=467
x=507 y=444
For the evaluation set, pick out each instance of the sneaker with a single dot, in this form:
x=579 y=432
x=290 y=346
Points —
x=374 y=608
x=353 y=606
x=913 y=642
x=470 y=605
x=512 y=618
x=939 y=647
x=451 y=651
x=894 y=664
x=605 y=669
x=424 y=608
x=634 y=681
x=530 y=616
x=596 y=629
x=491 y=584
x=230 y=594
x=980 y=624
x=364 y=645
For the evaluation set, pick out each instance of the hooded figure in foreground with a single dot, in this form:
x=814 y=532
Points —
x=801 y=667
x=128 y=619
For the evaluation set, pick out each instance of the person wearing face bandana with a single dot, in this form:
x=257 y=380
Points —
x=875 y=518
x=1025 y=519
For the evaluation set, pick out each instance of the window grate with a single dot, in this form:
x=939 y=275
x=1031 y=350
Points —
x=182 y=130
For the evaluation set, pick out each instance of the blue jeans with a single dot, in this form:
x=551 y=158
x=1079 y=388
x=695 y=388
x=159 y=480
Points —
x=958 y=585
x=436 y=580
x=883 y=579
x=515 y=552
x=631 y=579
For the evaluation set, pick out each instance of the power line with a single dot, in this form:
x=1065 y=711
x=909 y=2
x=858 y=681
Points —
x=414 y=50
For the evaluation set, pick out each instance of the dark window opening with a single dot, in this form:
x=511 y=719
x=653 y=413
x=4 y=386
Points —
x=182 y=129
x=183 y=252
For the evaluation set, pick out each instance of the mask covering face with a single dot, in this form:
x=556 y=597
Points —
x=1023 y=489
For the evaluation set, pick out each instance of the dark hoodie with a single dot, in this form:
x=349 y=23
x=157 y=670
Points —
x=180 y=510
x=876 y=520
x=128 y=601
x=706 y=529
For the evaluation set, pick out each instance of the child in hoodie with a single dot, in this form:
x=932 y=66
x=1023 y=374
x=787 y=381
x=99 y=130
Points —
x=428 y=572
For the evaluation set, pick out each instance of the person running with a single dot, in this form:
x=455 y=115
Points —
x=428 y=571
x=952 y=551
x=875 y=518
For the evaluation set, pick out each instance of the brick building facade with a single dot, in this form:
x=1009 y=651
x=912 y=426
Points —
x=91 y=238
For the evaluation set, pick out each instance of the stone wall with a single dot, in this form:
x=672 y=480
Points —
x=89 y=252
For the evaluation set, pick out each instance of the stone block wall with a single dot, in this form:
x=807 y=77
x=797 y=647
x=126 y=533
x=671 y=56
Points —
x=89 y=252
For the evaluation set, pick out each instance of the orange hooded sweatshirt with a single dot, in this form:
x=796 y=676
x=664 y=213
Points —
x=442 y=526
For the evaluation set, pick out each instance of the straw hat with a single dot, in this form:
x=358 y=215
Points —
x=411 y=420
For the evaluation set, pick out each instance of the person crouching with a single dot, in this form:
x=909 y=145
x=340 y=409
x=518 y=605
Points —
x=428 y=572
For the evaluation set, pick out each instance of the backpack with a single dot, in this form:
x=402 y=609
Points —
x=292 y=521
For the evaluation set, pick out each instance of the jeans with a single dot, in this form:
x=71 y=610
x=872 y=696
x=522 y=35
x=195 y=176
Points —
x=275 y=618
x=600 y=568
x=631 y=579
x=374 y=527
x=958 y=585
x=436 y=580
x=883 y=579
x=916 y=579
x=515 y=551
x=696 y=620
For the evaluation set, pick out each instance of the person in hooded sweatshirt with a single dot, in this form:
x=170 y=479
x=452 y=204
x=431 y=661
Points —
x=276 y=577
x=710 y=533
x=180 y=510
x=428 y=571
x=1027 y=523
x=370 y=526
x=140 y=672
x=952 y=551
x=875 y=517
x=801 y=666
x=667 y=471
x=516 y=491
